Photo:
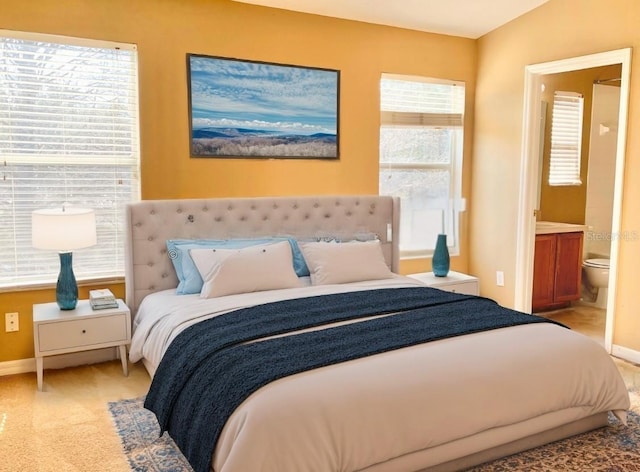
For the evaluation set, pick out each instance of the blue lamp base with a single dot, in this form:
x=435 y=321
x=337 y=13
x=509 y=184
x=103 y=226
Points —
x=66 y=288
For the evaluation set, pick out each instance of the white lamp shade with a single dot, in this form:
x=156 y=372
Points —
x=63 y=229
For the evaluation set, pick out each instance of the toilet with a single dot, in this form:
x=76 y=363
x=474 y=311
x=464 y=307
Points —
x=595 y=277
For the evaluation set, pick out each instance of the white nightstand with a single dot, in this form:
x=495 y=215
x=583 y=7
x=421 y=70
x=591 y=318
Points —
x=453 y=282
x=58 y=331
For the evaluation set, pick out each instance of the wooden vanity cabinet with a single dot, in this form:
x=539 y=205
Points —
x=557 y=270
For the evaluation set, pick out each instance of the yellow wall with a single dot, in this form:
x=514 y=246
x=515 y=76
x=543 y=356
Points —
x=166 y=30
x=567 y=204
x=556 y=30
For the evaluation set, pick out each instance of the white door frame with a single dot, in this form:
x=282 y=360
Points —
x=529 y=172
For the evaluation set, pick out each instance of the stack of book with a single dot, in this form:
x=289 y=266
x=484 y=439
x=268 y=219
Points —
x=101 y=299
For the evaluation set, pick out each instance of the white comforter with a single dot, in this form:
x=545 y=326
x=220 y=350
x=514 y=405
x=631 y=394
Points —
x=378 y=413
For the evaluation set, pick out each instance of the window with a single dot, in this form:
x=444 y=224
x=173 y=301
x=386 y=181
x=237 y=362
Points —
x=566 y=139
x=68 y=134
x=421 y=136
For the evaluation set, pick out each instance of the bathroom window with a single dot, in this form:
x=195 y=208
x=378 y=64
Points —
x=421 y=137
x=68 y=134
x=566 y=139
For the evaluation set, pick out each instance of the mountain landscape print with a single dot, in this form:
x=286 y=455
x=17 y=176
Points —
x=253 y=109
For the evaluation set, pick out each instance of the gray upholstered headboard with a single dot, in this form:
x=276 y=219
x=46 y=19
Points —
x=151 y=222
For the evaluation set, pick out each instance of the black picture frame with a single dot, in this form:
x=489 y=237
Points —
x=251 y=109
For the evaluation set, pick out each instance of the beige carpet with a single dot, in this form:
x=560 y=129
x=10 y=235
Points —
x=67 y=427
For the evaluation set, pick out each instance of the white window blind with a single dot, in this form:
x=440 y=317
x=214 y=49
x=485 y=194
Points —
x=421 y=136
x=68 y=134
x=566 y=139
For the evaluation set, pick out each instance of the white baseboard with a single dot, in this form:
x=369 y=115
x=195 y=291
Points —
x=22 y=366
x=19 y=366
x=626 y=353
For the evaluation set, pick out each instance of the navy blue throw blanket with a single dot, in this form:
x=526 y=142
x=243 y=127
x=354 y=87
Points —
x=207 y=371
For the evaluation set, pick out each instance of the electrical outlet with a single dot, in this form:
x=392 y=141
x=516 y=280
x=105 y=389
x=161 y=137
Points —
x=500 y=278
x=11 y=322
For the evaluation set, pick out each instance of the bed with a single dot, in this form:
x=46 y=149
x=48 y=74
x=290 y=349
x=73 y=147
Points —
x=447 y=404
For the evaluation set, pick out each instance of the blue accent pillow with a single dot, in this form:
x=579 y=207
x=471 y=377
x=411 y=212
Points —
x=189 y=278
x=299 y=264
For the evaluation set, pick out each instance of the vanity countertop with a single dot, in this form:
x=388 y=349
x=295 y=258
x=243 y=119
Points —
x=550 y=227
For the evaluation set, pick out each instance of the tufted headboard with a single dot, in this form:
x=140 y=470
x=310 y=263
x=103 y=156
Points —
x=151 y=222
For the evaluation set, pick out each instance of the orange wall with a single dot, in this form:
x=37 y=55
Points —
x=556 y=30
x=166 y=30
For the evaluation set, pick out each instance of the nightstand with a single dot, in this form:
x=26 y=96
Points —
x=453 y=282
x=58 y=331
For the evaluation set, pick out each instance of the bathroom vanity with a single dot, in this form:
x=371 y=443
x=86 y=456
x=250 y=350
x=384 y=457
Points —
x=557 y=266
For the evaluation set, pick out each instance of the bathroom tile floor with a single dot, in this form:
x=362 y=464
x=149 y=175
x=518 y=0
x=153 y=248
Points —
x=584 y=319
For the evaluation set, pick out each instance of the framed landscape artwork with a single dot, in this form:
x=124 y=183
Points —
x=252 y=109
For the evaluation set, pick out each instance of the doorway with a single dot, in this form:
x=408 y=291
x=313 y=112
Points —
x=530 y=167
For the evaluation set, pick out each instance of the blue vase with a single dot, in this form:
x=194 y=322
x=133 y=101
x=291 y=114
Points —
x=66 y=288
x=440 y=261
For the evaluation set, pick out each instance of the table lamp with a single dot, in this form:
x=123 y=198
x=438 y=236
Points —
x=63 y=230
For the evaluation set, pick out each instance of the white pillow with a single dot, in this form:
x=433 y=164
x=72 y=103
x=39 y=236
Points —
x=338 y=263
x=250 y=269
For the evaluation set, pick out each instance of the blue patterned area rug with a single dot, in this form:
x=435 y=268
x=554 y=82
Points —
x=612 y=449
x=138 y=430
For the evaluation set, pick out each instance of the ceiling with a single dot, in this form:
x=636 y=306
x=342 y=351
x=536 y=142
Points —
x=466 y=18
